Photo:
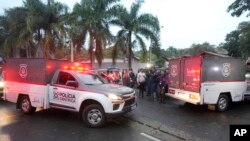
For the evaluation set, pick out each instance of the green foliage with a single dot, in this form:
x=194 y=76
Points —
x=232 y=44
x=135 y=27
x=237 y=42
x=199 y=48
x=34 y=25
x=93 y=17
x=171 y=52
x=244 y=29
x=145 y=58
x=238 y=7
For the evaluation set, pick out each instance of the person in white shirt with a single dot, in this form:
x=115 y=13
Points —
x=141 y=79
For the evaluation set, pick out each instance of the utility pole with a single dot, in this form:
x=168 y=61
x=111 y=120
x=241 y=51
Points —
x=150 y=47
x=71 y=52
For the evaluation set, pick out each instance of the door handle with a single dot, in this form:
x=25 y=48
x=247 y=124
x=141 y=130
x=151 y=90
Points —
x=55 y=88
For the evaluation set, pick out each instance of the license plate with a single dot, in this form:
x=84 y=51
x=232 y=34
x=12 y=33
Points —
x=180 y=93
x=133 y=107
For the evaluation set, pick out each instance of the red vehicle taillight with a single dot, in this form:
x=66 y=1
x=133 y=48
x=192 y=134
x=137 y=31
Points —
x=170 y=91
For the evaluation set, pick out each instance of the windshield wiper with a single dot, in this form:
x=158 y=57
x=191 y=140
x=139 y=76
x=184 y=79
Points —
x=89 y=84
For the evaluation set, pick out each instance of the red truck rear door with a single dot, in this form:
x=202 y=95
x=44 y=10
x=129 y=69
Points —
x=191 y=67
x=175 y=73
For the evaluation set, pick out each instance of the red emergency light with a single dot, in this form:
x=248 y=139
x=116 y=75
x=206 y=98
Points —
x=80 y=69
x=171 y=91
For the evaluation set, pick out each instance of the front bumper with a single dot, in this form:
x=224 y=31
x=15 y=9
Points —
x=125 y=110
x=247 y=97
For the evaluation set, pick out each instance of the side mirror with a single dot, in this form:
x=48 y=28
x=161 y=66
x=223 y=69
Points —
x=72 y=84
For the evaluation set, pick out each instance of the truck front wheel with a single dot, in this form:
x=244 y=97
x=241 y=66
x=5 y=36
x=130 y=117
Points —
x=93 y=116
x=223 y=103
x=25 y=105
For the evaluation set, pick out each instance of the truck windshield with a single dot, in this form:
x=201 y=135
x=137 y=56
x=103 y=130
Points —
x=91 y=79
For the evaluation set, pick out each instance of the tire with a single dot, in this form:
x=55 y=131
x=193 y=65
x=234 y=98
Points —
x=223 y=103
x=25 y=106
x=93 y=116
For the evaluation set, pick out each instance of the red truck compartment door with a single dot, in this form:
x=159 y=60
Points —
x=175 y=73
x=191 y=67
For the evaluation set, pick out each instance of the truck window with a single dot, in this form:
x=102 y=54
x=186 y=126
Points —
x=90 y=79
x=63 y=77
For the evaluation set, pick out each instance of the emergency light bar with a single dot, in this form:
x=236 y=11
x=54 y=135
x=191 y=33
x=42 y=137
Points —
x=75 y=68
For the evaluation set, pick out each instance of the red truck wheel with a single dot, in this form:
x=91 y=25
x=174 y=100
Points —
x=25 y=105
x=223 y=103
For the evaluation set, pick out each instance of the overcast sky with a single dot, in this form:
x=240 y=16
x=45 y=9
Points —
x=183 y=22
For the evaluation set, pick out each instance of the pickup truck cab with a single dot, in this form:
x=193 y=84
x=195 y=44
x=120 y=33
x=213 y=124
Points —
x=67 y=88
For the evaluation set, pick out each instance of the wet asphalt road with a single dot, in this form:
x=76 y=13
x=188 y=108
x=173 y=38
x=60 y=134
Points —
x=188 y=121
x=58 y=125
x=174 y=120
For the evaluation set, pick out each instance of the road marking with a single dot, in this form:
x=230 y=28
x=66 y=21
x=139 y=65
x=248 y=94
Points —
x=150 y=137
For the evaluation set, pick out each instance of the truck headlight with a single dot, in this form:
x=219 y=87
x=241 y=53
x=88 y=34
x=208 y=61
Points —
x=114 y=97
x=1 y=84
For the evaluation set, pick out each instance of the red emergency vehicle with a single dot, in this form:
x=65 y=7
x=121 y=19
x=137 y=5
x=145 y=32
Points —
x=208 y=78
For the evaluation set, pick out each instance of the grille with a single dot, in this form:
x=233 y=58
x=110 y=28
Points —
x=129 y=102
x=128 y=96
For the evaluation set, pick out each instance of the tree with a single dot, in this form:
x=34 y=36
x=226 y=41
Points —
x=199 y=48
x=232 y=44
x=93 y=19
x=4 y=28
x=240 y=37
x=239 y=7
x=244 y=29
x=171 y=52
x=18 y=37
x=135 y=27
x=44 y=21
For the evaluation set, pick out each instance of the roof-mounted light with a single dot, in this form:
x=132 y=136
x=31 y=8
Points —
x=80 y=69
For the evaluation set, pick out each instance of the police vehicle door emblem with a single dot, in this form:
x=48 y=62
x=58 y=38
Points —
x=23 y=70
x=226 y=69
x=173 y=70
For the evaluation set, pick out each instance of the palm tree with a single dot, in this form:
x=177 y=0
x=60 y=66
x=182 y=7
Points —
x=17 y=35
x=92 y=19
x=133 y=28
x=45 y=21
x=4 y=28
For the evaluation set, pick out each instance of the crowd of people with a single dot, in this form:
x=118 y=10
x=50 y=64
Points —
x=153 y=82
x=150 y=82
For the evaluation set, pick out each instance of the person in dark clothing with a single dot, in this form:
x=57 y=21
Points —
x=132 y=78
x=154 y=84
x=149 y=81
x=125 y=78
x=164 y=81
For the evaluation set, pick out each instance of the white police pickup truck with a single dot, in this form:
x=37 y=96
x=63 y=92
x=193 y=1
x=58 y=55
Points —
x=40 y=83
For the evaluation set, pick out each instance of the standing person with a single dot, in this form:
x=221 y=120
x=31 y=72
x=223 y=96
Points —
x=162 y=86
x=164 y=81
x=126 y=78
x=154 y=84
x=149 y=75
x=141 y=79
x=132 y=78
